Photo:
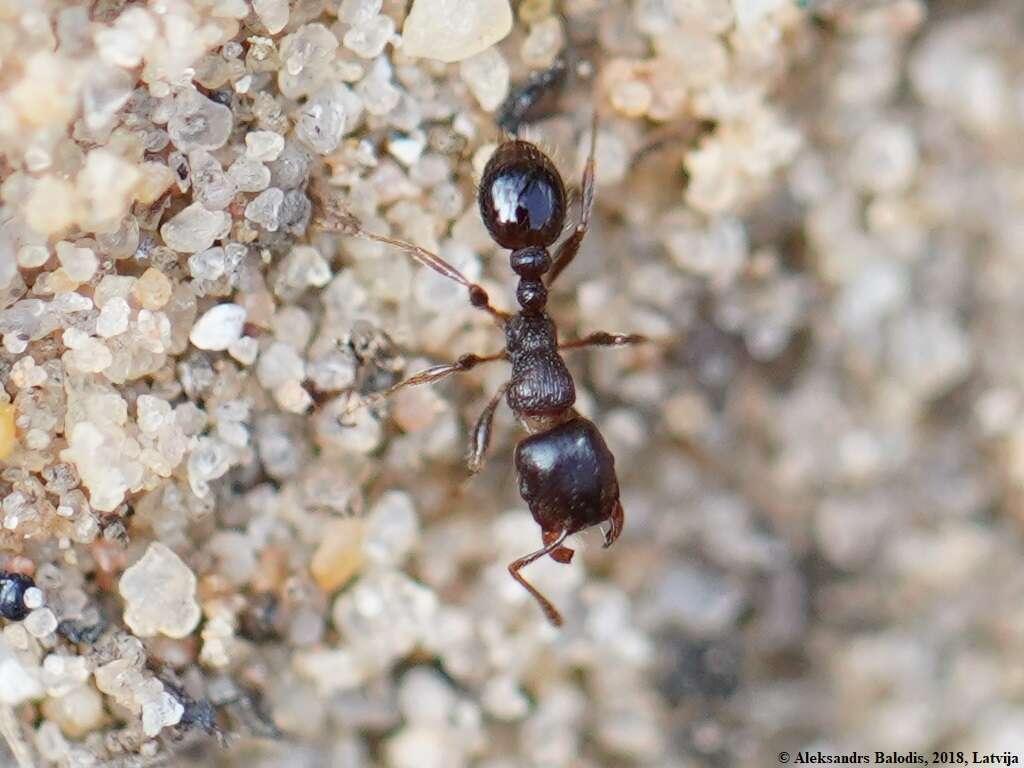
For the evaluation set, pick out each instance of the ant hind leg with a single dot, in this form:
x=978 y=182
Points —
x=559 y=554
x=550 y=611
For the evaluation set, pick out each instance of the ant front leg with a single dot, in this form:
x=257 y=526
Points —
x=347 y=223
x=605 y=339
x=428 y=376
x=567 y=251
x=482 y=431
x=550 y=611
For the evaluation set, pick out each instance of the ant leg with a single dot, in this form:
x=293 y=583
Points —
x=561 y=554
x=482 y=431
x=550 y=611
x=428 y=376
x=347 y=223
x=617 y=520
x=604 y=339
x=567 y=251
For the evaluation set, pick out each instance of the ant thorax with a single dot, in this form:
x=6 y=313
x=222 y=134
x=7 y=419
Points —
x=541 y=384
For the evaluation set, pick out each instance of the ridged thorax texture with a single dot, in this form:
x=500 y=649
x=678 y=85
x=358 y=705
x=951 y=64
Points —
x=541 y=383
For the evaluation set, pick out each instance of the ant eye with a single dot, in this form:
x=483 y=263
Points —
x=522 y=197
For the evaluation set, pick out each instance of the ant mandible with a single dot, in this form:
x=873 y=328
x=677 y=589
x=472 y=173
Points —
x=566 y=472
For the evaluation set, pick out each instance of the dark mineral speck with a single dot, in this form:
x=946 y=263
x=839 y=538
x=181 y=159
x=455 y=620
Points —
x=13 y=587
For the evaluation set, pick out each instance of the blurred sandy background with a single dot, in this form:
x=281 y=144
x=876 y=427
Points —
x=823 y=201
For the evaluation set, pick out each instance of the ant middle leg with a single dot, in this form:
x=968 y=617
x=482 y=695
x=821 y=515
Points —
x=345 y=222
x=605 y=339
x=550 y=611
x=428 y=376
x=567 y=251
x=482 y=431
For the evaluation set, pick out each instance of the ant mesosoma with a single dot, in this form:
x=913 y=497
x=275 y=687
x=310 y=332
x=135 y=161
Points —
x=566 y=472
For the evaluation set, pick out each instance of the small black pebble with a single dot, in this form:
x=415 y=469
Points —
x=79 y=632
x=221 y=97
x=259 y=621
x=13 y=587
x=199 y=714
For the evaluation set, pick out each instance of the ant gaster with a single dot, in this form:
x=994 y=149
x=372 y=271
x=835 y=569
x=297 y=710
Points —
x=566 y=472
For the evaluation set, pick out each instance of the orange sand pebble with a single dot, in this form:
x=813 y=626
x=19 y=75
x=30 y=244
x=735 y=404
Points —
x=340 y=555
x=7 y=437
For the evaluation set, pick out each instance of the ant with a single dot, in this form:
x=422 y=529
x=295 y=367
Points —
x=566 y=472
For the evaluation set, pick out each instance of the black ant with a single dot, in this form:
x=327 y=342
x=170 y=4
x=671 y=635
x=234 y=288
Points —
x=566 y=472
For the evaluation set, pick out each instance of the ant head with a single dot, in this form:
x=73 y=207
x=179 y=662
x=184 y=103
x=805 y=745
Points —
x=522 y=197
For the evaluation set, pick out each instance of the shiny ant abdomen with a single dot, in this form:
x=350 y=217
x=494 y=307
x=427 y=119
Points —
x=566 y=472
